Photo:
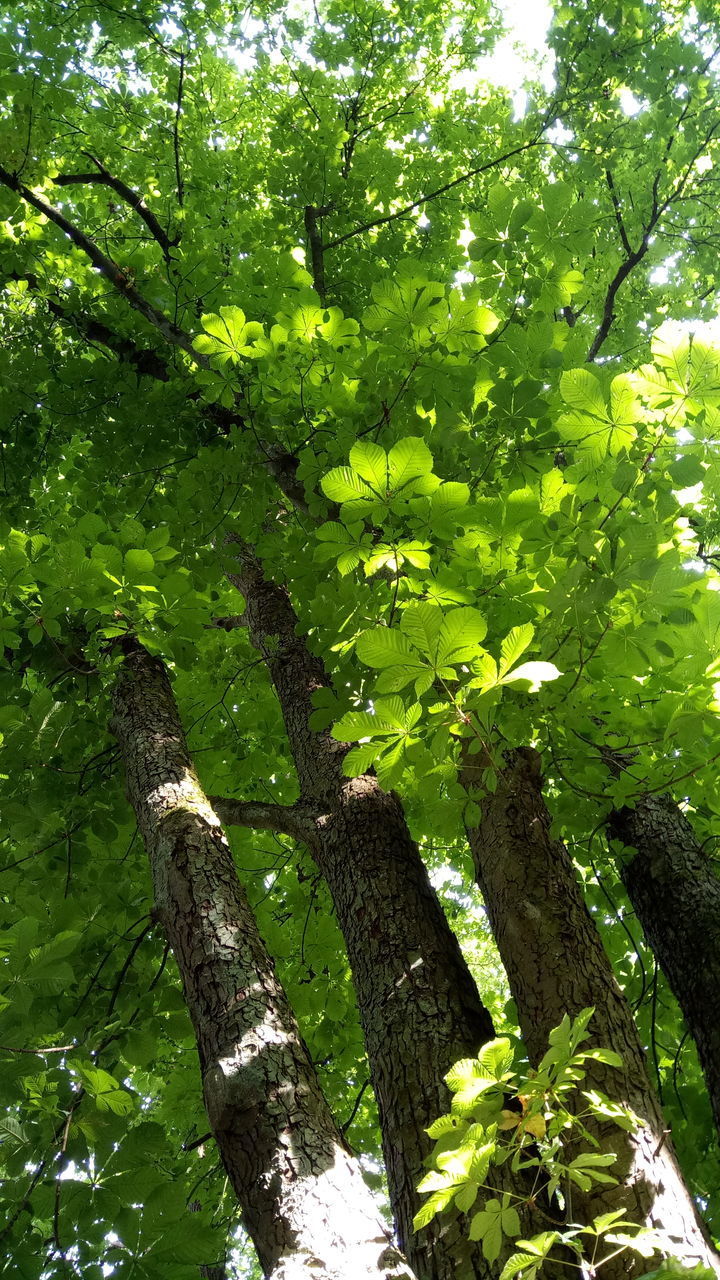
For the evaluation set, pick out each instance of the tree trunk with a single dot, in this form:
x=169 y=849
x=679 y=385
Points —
x=283 y=1153
x=675 y=894
x=556 y=964
x=419 y=1006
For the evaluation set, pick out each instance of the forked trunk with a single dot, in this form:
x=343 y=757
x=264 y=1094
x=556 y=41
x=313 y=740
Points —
x=302 y=1195
x=419 y=1006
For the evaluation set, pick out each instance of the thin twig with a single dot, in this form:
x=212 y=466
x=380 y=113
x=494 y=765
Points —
x=432 y=195
x=176 y=137
x=39 y=1053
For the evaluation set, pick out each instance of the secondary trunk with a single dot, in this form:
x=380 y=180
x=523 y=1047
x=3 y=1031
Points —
x=289 y=1167
x=419 y=1006
x=675 y=894
x=556 y=964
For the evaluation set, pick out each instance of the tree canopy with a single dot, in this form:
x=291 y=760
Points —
x=298 y=295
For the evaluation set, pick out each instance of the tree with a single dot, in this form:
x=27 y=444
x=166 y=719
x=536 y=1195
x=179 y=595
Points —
x=282 y=1152
x=304 y=280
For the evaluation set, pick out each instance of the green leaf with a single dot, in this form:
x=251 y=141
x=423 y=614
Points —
x=408 y=459
x=345 y=485
x=487 y=1226
x=371 y=463
x=460 y=634
x=138 y=562
x=514 y=645
x=496 y=1058
x=227 y=336
x=385 y=648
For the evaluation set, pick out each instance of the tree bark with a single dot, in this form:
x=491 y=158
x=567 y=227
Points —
x=556 y=964
x=675 y=894
x=285 y=1158
x=419 y=1006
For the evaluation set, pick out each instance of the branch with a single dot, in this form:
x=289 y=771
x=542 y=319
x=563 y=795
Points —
x=39 y=1053
x=126 y=965
x=657 y=210
x=289 y=820
x=176 y=137
x=145 y=361
x=416 y=204
x=108 y=268
x=621 y=275
x=231 y=623
x=618 y=212
x=312 y=215
x=126 y=193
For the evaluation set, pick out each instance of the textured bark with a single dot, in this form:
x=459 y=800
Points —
x=284 y=1156
x=419 y=1006
x=556 y=964
x=675 y=894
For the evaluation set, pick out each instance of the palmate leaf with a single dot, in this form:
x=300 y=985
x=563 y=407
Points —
x=389 y=717
x=691 y=365
x=530 y=1256
x=391 y=721
x=367 y=485
x=594 y=428
x=406 y=304
x=340 y=331
x=303 y=322
x=491 y=1224
x=228 y=335
x=345 y=544
x=427 y=638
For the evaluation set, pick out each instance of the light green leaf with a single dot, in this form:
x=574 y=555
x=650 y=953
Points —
x=466 y=1196
x=138 y=562
x=449 y=497
x=421 y=623
x=460 y=634
x=515 y=644
x=370 y=462
x=342 y=484
x=581 y=390
x=487 y=1227
x=408 y=459
x=386 y=647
